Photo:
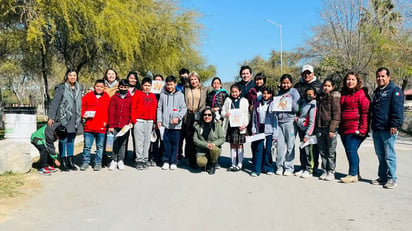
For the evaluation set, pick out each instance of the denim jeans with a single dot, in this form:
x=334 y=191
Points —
x=385 y=150
x=351 y=143
x=171 y=138
x=327 y=149
x=263 y=156
x=66 y=146
x=89 y=138
x=286 y=146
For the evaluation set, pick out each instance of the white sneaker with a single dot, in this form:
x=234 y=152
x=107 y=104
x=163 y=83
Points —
x=306 y=174
x=299 y=173
x=120 y=165
x=323 y=176
x=287 y=173
x=113 y=165
x=165 y=166
x=173 y=167
x=279 y=172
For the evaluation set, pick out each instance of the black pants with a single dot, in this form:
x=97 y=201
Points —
x=44 y=154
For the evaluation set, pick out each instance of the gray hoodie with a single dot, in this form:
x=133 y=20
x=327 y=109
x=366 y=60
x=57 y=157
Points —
x=171 y=105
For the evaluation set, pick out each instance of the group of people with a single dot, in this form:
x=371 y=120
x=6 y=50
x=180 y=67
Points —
x=187 y=112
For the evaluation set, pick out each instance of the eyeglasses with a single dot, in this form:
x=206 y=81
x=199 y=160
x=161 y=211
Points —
x=209 y=115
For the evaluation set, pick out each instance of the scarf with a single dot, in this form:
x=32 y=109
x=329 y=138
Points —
x=110 y=85
x=71 y=100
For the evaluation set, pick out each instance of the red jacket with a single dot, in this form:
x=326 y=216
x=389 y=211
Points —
x=355 y=113
x=90 y=102
x=144 y=106
x=119 y=110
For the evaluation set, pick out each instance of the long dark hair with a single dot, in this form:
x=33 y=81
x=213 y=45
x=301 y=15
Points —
x=70 y=71
x=345 y=89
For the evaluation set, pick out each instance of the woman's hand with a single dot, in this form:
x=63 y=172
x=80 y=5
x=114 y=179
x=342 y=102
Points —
x=215 y=109
x=210 y=146
x=50 y=122
x=331 y=134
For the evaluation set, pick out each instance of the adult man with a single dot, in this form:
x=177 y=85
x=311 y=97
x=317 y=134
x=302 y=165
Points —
x=387 y=118
x=246 y=83
x=309 y=80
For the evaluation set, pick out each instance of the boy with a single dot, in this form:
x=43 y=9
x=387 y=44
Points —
x=94 y=110
x=43 y=139
x=144 y=105
x=119 y=116
x=170 y=111
x=306 y=126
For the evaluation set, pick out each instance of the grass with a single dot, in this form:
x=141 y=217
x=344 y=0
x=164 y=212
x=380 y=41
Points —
x=10 y=184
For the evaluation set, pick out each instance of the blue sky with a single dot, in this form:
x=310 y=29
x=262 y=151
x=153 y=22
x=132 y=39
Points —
x=236 y=30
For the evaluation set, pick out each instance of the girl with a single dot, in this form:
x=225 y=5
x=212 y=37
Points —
x=133 y=80
x=236 y=136
x=264 y=121
x=327 y=120
x=287 y=128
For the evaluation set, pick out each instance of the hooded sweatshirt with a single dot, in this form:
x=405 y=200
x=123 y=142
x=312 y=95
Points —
x=171 y=105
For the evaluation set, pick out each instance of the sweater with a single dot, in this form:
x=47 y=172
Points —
x=171 y=105
x=307 y=117
x=90 y=102
x=354 y=113
x=284 y=117
x=119 y=110
x=144 y=106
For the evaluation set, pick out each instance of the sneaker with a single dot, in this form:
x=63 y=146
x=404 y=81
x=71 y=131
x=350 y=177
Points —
x=306 y=174
x=120 y=165
x=287 y=173
x=323 y=176
x=51 y=169
x=113 y=165
x=279 y=172
x=253 y=174
x=97 y=167
x=217 y=166
x=44 y=171
x=231 y=168
x=390 y=184
x=165 y=166
x=330 y=176
x=153 y=163
x=269 y=173
x=299 y=173
x=349 y=179
x=146 y=164
x=84 y=167
x=139 y=166
x=378 y=182
x=173 y=167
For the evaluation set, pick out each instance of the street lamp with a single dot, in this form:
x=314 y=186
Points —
x=280 y=27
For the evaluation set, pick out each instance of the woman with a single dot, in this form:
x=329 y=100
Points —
x=354 y=126
x=208 y=138
x=134 y=83
x=195 y=98
x=111 y=82
x=65 y=109
x=216 y=98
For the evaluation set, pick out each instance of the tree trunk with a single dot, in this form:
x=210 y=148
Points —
x=46 y=83
x=404 y=83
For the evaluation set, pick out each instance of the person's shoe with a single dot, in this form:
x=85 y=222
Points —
x=44 y=171
x=212 y=169
x=299 y=173
x=378 y=182
x=113 y=165
x=231 y=168
x=269 y=173
x=287 y=173
x=323 y=176
x=70 y=164
x=173 y=167
x=349 y=179
x=330 y=176
x=217 y=165
x=146 y=164
x=253 y=174
x=279 y=172
x=153 y=163
x=97 y=167
x=120 y=165
x=139 y=166
x=84 y=167
x=165 y=166
x=306 y=174
x=390 y=184
x=51 y=169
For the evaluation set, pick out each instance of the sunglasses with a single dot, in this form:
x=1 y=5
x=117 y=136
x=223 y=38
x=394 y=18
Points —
x=207 y=115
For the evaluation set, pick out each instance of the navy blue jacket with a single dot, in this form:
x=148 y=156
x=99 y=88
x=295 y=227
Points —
x=387 y=108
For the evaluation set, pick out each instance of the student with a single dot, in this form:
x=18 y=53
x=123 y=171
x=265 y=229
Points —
x=306 y=125
x=119 y=116
x=236 y=136
x=144 y=107
x=287 y=128
x=43 y=139
x=264 y=121
x=96 y=105
x=156 y=147
x=170 y=111
x=327 y=123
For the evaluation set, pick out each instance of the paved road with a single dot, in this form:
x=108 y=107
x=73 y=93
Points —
x=154 y=199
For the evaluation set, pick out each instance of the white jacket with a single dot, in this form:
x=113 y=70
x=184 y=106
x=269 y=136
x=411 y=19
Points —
x=244 y=107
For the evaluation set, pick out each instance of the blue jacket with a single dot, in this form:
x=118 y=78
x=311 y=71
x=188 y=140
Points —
x=387 y=108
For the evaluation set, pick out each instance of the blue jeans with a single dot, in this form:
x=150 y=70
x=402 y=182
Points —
x=89 y=138
x=385 y=150
x=171 y=139
x=263 y=156
x=66 y=146
x=351 y=143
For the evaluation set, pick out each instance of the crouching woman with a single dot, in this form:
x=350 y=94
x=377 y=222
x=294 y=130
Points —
x=208 y=138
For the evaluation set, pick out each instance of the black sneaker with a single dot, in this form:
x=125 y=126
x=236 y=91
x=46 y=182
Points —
x=378 y=182
x=97 y=167
x=139 y=166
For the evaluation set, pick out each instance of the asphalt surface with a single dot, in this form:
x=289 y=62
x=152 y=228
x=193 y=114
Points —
x=155 y=199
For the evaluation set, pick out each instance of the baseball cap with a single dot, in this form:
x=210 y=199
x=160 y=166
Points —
x=307 y=67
